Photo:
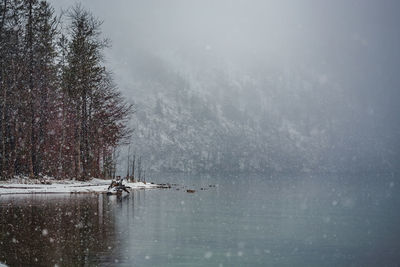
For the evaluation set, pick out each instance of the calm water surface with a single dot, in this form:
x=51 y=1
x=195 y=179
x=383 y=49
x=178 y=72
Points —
x=246 y=221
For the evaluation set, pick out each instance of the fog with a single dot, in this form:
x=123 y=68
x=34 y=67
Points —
x=303 y=64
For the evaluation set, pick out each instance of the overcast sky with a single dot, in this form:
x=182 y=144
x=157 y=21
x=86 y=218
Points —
x=354 y=42
x=331 y=33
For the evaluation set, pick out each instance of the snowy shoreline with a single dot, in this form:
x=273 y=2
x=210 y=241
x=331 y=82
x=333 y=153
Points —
x=25 y=186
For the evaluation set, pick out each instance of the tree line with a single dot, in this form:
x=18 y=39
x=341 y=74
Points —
x=61 y=113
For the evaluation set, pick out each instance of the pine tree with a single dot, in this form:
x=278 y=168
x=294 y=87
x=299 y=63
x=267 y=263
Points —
x=81 y=77
x=99 y=109
x=11 y=68
x=47 y=84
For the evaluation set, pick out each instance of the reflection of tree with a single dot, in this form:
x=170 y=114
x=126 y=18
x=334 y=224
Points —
x=69 y=231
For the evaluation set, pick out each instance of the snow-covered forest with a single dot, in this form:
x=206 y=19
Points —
x=261 y=87
x=209 y=118
x=61 y=113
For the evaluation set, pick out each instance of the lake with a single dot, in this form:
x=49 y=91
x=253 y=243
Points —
x=320 y=220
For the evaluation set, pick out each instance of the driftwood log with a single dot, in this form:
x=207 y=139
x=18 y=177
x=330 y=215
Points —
x=118 y=186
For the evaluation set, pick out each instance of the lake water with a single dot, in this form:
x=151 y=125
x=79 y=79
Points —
x=243 y=221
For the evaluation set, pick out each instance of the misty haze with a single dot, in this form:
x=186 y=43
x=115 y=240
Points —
x=203 y=133
x=265 y=86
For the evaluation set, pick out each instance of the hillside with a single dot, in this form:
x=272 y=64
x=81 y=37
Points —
x=260 y=120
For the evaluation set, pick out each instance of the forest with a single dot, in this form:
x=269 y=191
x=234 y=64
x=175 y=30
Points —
x=61 y=113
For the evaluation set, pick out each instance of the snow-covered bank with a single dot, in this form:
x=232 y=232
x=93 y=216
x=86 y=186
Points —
x=23 y=186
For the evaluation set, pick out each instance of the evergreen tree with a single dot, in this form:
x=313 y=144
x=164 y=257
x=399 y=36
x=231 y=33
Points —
x=99 y=110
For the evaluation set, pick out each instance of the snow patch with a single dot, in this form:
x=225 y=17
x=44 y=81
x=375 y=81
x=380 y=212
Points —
x=27 y=186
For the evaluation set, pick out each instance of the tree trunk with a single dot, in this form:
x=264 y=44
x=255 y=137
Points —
x=78 y=163
x=3 y=134
x=31 y=130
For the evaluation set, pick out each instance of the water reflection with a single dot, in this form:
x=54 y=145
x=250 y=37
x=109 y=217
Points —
x=67 y=230
x=314 y=221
